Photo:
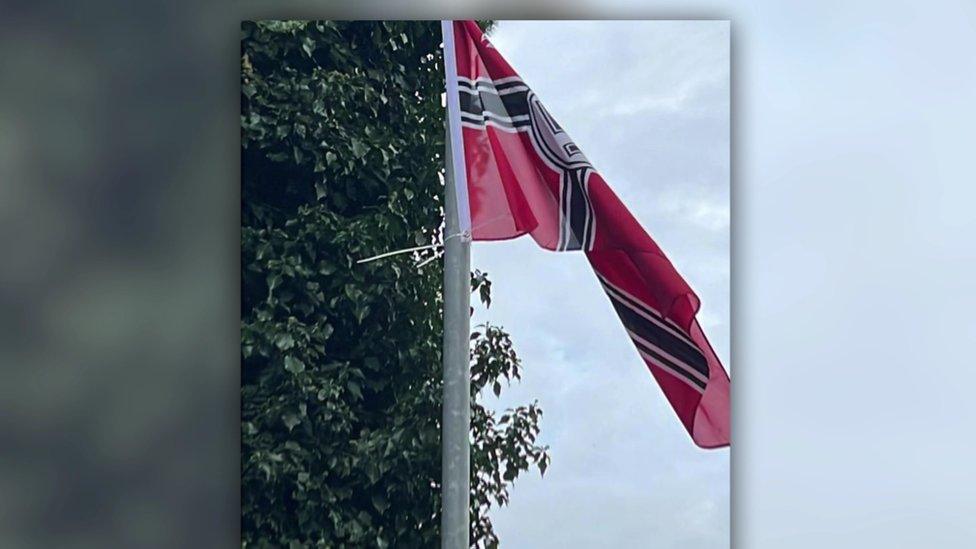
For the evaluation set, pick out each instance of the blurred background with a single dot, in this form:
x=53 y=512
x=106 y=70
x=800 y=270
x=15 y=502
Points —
x=119 y=277
x=852 y=300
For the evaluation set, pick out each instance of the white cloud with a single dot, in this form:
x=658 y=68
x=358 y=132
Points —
x=706 y=212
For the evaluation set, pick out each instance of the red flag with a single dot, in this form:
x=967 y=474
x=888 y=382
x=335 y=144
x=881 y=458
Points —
x=525 y=175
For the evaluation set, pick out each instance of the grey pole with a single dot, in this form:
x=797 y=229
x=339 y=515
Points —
x=456 y=454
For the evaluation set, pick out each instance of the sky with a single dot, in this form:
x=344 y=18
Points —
x=649 y=104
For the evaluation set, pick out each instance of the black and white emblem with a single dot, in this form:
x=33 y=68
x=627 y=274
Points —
x=509 y=105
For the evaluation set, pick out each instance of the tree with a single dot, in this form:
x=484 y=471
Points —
x=342 y=145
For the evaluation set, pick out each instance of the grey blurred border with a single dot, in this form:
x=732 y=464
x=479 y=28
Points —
x=119 y=216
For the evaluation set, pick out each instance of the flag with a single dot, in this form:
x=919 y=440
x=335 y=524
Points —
x=521 y=173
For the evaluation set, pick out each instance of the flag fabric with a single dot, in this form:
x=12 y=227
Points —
x=524 y=175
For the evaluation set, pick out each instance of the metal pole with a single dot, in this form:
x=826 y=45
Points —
x=456 y=453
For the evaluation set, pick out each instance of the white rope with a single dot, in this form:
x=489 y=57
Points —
x=426 y=261
x=397 y=252
x=465 y=237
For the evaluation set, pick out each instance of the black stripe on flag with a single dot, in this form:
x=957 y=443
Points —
x=589 y=229
x=578 y=209
x=564 y=199
x=487 y=117
x=658 y=343
x=661 y=338
x=674 y=367
x=511 y=105
x=645 y=309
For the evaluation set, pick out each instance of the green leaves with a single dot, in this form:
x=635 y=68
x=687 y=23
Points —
x=358 y=148
x=342 y=144
x=355 y=389
x=380 y=503
x=481 y=284
x=285 y=341
x=294 y=365
x=290 y=421
x=308 y=45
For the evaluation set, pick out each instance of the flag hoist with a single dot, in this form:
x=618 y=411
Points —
x=513 y=170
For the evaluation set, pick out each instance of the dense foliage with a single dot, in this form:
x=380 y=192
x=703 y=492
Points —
x=342 y=141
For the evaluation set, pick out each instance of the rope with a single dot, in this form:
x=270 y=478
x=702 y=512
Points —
x=465 y=237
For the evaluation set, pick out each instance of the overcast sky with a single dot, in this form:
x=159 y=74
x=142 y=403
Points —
x=648 y=102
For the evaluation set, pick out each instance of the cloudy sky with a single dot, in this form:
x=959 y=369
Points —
x=648 y=102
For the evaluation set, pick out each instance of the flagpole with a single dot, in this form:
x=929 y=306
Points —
x=456 y=420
